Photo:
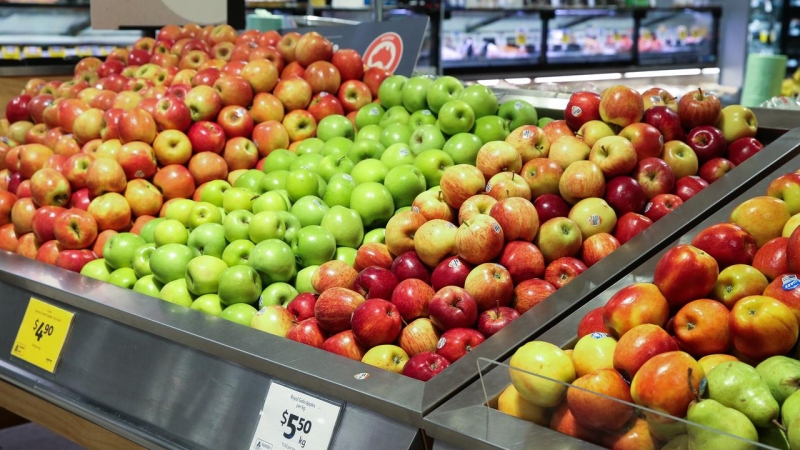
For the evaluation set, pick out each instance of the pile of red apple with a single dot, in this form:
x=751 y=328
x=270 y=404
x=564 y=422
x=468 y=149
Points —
x=731 y=294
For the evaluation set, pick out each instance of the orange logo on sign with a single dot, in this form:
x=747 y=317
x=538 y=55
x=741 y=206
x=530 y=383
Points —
x=385 y=52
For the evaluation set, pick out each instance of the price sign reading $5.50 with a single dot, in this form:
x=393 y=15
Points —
x=294 y=420
x=42 y=334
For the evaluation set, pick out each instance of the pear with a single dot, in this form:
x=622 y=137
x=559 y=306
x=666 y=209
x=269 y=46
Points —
x=782 y=375
x=679 y=442
x=790 y=409
x=713 y=414
x=794 y=433
x=774 y=437
x=737 y=385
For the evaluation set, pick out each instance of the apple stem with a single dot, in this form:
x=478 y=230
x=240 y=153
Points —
x=691 y=386
x=440 y=195
x=778 y=424
x=700 y=90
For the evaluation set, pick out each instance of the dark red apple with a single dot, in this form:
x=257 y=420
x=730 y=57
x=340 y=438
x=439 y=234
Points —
x=563 y=270
x=302 y=306
x=743 y=148
x=376 y=322
x=625 y=195
x=493 y=320
x=666 y=121
x=457 y=342
x=424 y=366
x=375 y=282
x=661 y=205
x=451 y=271
x=629 y=225
x=714 y=169
x=707 y=142
x=581 y=108
x=408 y=265
x=688 y=186
x=307 y=332
x=452 y=307
x=549 y=206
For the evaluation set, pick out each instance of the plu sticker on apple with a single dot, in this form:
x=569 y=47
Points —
x=595 y=220
x=527 y=134
x=598 y=335
x=488 y=187
x=576 y=111
x=454 y=263
x=518 y=105
x=441 y=343
x=790 y=282
x=496 y=228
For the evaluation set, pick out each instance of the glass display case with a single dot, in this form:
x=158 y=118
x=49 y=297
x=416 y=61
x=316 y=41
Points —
x=578 y=36
x=678 y=37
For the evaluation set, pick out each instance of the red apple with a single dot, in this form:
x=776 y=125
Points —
x=335 y=307
x=742 y=149
x=714 y=169
x=376 y=322
x=517 y=218
x=661 y=205
x=354 y=95
x=530 y=293
x=302 y=306
x=727 y=243
x=452 y=271
x=563 y=270
x=452 y=307
x=549 y=206
x=490 y=285
x=74 y=260
x=409 y=266
x=493 y=320
x=311 y=47
x=771 y=258
x=592 y=322
x=621 y=105
x=424 y=366
x=411 y=297
x=307 y=332
x=688 y=186
x=762 y=327
x=479 y=239
x=419 y=336
x=698 y=108
x=666 y=121
x=581 y=108
x=685 y=262
x=333 y=274
x=138 y=160
x=523 y=260
x=655 y=176
x=373 y=254
x=597 y=247
x=373 y=77
x=625 y=195
x=75 y=229
x=457 y=342
x=349 y=64
x=702 y=328
x=638 y=345
x=707 y=142
x=375 y=282
x=635 y=305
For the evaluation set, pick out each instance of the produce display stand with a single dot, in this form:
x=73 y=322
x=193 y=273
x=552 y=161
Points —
x=165 y=376
x=466 y=422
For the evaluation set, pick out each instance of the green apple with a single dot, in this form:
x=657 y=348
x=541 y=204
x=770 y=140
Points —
x=97 y=269
x=277 y=294
x=207 y=239
x=273 y=181
x=202 y=274
x=300 y=183
x=141 y=259
x=238 y=198
x=365 y=148
x=332 y=164
x=302 y=282
x=123 y=277
x=169 y=262
x=396 y=133
x=147 y=230
x=240 y=313
x=544 y=121
x=293 y=225
x=340 y=188
x=170 y=231
x=204 y=212
x=237 y=225
x=390 y=92
x=337 y=146
x=374 y=204
x=179 y=210
x=518 y=113
x=426 y=137
x=432 y=163
x=456 y=116
x=120 y=248
x=271 y=201
x=463 y=148
x=237 y=252
x=213 y=190
x=322 y=186
x=309 y=145
x=239 y=284
x=369 y=132
x=481 y=99
x=442 y=91
x=279 y=159
x=177 y=292
x=208 y=304
x=335 y=125
x=309 y=161
x=346 y=254
x=313 y=246
x=369 y=114
x=491 y=128
x=250 y=179
x=274 y=261
x=375 y=235
x=266 y=225
x=421 y=117
x=395 y=115
x=405 y=183
x=309 y=210
x=415 y=93
x=369 y=170
x=345 y=225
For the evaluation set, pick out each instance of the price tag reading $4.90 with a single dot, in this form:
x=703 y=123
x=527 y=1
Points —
x=42 y=334
x=294 y=420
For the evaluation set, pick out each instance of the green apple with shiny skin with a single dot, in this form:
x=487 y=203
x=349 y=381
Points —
x=141 y=259
x=277 y=294
x=309 y=161
x=236 y=225
x=442 y=91
x=346 y=255
x=170 y=231
x=207 y=239
x=309 y=145
x=300 y=183
x=238 y=198
x=491 y=128
x=271 y=201
x=169 y=262
x=250 y=179
x=118 y=251
x=390 y=92
x=239 y=284
x=463 y=148
x=421 y=117
x=274 y=260
x=415 y=93
x=395 y=115
x=208 y=304
x=369 y=114
x=179 y=210
x=204 y=212
x=518 y=113
x=240 y=313
x=322 y=186
x=369 y=170
x=123 y=277
x=374 y=204
x=213 y=191
x=97 y=269
x=335 y=125
x=273 y=181
x=313 y=246
x=345 y=225
x=456 y=116
x=309 y=210
x=266 y=225
x=369 y=132
x=149 y=228
x=543 y=121
x=340 y=188
x=279 y=159
x=237 y=252
x=337 y=146
x=332 y=164
x=396 y=133
x=364 y=149
x=397 y=155
x=302 y=282
x=177 y=292
x=375 y=235
x=426 y=137
x=203 y=274
x=293 y=225
x=432 y=163
x=481 y=99
x=405 y=183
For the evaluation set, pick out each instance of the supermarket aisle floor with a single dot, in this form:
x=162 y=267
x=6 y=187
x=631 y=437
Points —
x=33 y=437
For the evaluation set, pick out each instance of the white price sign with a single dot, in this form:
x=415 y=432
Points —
x=294 y=420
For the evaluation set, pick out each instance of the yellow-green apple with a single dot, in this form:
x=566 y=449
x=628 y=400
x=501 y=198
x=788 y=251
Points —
x=635 y=305
x=174 y=181
x=455 y=343
x=172 y=147
x=568 y=149
x=387 y=357
x=727 y=243
x=137 y=159
x=736 y=122
x=681 y=263
x=680 y=158
x=698 y=108
x=517 y=218
x=479 y=239
x=615 y=155
x=105 y=175
x=621 y=105
x=593 y=352
x=294 y=93
x=460 y=182
x=411 y=297
x=87 y=125
x=43 y=222
x=661 y=205
x=594 y=130
x=736 y=282
x=48 y=187
x=584 y=403
x=783 y=288
x=506 y=185
x=763 y=217
x=655 y=176
x=646 y=139
x=707 y=142
x=542 y=176
x=400 y=231
x=743 y=148
x=137 y=125
x=702 y=328
x=204 y=103
x=125 y=100
x=332 y=274
x=240 y=153
x=581 y=108
x=563 y=270
x=354 y=95
x=498 y=156
x=582 y=179
x=434 y=241
x=661 y=383
x=597 y=247
x=334 y=307
x=490 y=285
x=625 y=195
x=657 y=96
x=762 y=327
x=207 y=166
x=143 y=198
x=530 y=142
x=593 y=215
x=558 y=237
x=546 y=360
x=530 y=293
x=787 y=188
x=273 y=319
x=638 y=345
x=666 y=120
x=300 y=125
x=344 y=344
x=373 y=254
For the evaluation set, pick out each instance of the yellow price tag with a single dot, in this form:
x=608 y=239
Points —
x=57 y=52
x=42 y=334
x=11 y=52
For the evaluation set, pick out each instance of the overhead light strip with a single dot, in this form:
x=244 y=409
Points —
x=663 y=73
x=569 y=78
